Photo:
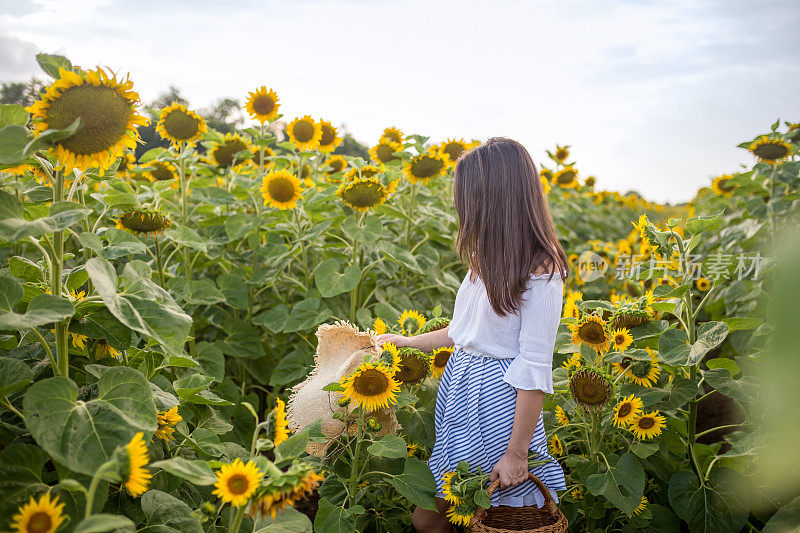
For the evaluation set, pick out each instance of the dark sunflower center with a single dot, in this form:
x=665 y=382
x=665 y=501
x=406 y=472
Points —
x=303 y=131
x=328 y=135
x=162 y=172
x=561 y=154
x=771 y=151
x=371 y=382
x=426 y=167
x=281 y=189
x=364 y=194
x=238 y=484
x=592 y=332
x=725 y=185
x=441 y=358
x=619 y=339
x=566 y=177
x=224 y=153
x=624 y=410
x=181 y=125
x=337 y=165
x=368 y=172
x=105 y=115
x=590 y=388
x=453 y=150
x=263 y=104
x=39 y=522
x=392 y=136
x=412 y=369
x=385 y=153
x=143 y=222
x=626 y=362
x=646 y=422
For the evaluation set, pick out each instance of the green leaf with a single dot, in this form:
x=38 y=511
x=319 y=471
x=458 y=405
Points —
x=416 y=484
x=46 y=139
x=674 y=347
x=682 y=390
x=622 y=485
x=292 y=447
x=742 y=323
x=235 y=290
x=290 y=520
x=204 y=292
x=50 y=63
x=21 y=469
x=667 y=291
x=101 y=523
x=274 y=319
x=13 y=227
x=196 y=472
x=786 y=519
x=82 y=435
x=305 y=314
x=701 y=224
x=709 y=336
x=333 y=519
x=142 y=305
x=186 y=237
x=211 y=360
x=390 y=446
x=13 y=139
x=331 y=280
x=14 y=376
x=738 y=389
x=719 y=506
x=42 y=309
x=13 y=114
x=644 y=449
x=723 y=362
x=400 y=255
x=167 y=514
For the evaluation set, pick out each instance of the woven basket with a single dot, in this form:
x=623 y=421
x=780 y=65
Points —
x=526 y=519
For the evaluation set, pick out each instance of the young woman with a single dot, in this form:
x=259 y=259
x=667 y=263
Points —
x=507 y=310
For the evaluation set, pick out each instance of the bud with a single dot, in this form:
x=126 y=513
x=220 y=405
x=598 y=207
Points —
x=343 y=401
x=373 y=424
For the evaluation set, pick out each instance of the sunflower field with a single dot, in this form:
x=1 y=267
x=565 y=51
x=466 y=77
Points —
x=156 y=312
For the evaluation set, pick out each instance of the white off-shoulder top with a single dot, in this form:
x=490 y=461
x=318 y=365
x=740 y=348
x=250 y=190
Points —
x=527 y=336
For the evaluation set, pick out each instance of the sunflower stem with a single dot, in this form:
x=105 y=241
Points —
x=187 y=265
x=159 y=264
x=98 y=477
x=237 y=521
x=62 y=349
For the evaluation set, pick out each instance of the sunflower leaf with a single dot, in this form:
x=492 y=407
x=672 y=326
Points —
x=101 y=523
x=390 y=446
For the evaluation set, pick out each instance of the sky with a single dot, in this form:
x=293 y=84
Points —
x=651 y=96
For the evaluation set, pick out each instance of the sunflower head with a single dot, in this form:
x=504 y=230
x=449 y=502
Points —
x=372 y=386
x=180 y=125
x=390 y=357
x=461 y=514
x=126 y=164
x=566 y=178
x=281 y=189
x=561 y=153
x=135 y=476
x=414 y=366
x=305 y=133
x=561 y=416
x=268 y=162
x=453 y=148
x=436 y=323
x=589 y=182
x=426 y=166
x=449 y=480
x=141 y=222
x=107 y=107
x=384 y=151
x=362 y=194
x=166 y=423
x=329 y=139
x=161 y=171
x=555 y=445
x=627 y=410
x=439 y=360
x=393 y=135
x=262 y=105
x=237 y=481
x=590 y=388
x=702 y=284
x=722 y=185
x=591 y=330
x=648 y=425
x=39 y=516
x=769 y=150
x=336 y=164
x=629 y=317
x=621 y=339
x=411 y=322
x=644 y=373
x=223 y=154
x=280 y=427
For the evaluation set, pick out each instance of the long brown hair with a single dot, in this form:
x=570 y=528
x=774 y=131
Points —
x=505 y=229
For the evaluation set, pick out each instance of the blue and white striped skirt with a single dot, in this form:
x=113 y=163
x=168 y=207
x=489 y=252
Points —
x=474 y=417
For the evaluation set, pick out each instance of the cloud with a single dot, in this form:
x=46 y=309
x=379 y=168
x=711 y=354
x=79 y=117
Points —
x=17 y=59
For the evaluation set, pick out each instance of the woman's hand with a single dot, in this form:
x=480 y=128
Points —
x=512 y=469
x=397 y=340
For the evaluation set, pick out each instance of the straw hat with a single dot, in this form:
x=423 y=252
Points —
x=341 y=347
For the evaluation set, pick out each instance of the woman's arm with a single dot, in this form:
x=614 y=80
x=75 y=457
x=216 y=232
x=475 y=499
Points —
x=427 y=342
x=512 y=467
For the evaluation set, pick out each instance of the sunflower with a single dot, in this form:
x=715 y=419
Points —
x=281 y=189
x=641 y=506
x=126 y=163
x=439 y=360
x=135 y=476
x=460 y=514
x=426 y=166
x=453 y=148
x=546 y=174
x=644 y=373
x=573 y=361
x=79 y=341
x=621 y=339
x=269 y=153
x=384 y=151
x=365 y=171
x=179 y=125
x=280 y=426
x=648 y=425
x=722 y=185
x=390 y=357
x=103 y=349
x=702 y=284
x=555 y=445
x=393 y=135
x=166 y=423
x=222 y=154
x=139 y=221
x=411 y=449
x=362 y=194
x=447 y=488
x=561 y=416
x=161 y=171
x=329 y=139
x=562 y=153
x=414 y=366
x=434 y=324
x=566 y=178
x=287 y=494
x=592 y=331
x=304 y=133
x=411 y=322
x=108 y=109
x=372 y=386
x=336 y=164
x=589 y=182
x=545 y=186
x=770 y=150
x=627 y=410
x=379 y=326
x=590 y=389
x=262 y=105
x=628 y=317
x=43 y=516
x=237 y=481
x=571 y=308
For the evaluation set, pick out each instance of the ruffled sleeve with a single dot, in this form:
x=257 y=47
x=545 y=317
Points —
x=540 y=315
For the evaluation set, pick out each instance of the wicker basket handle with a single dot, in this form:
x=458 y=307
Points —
x=549 y=504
